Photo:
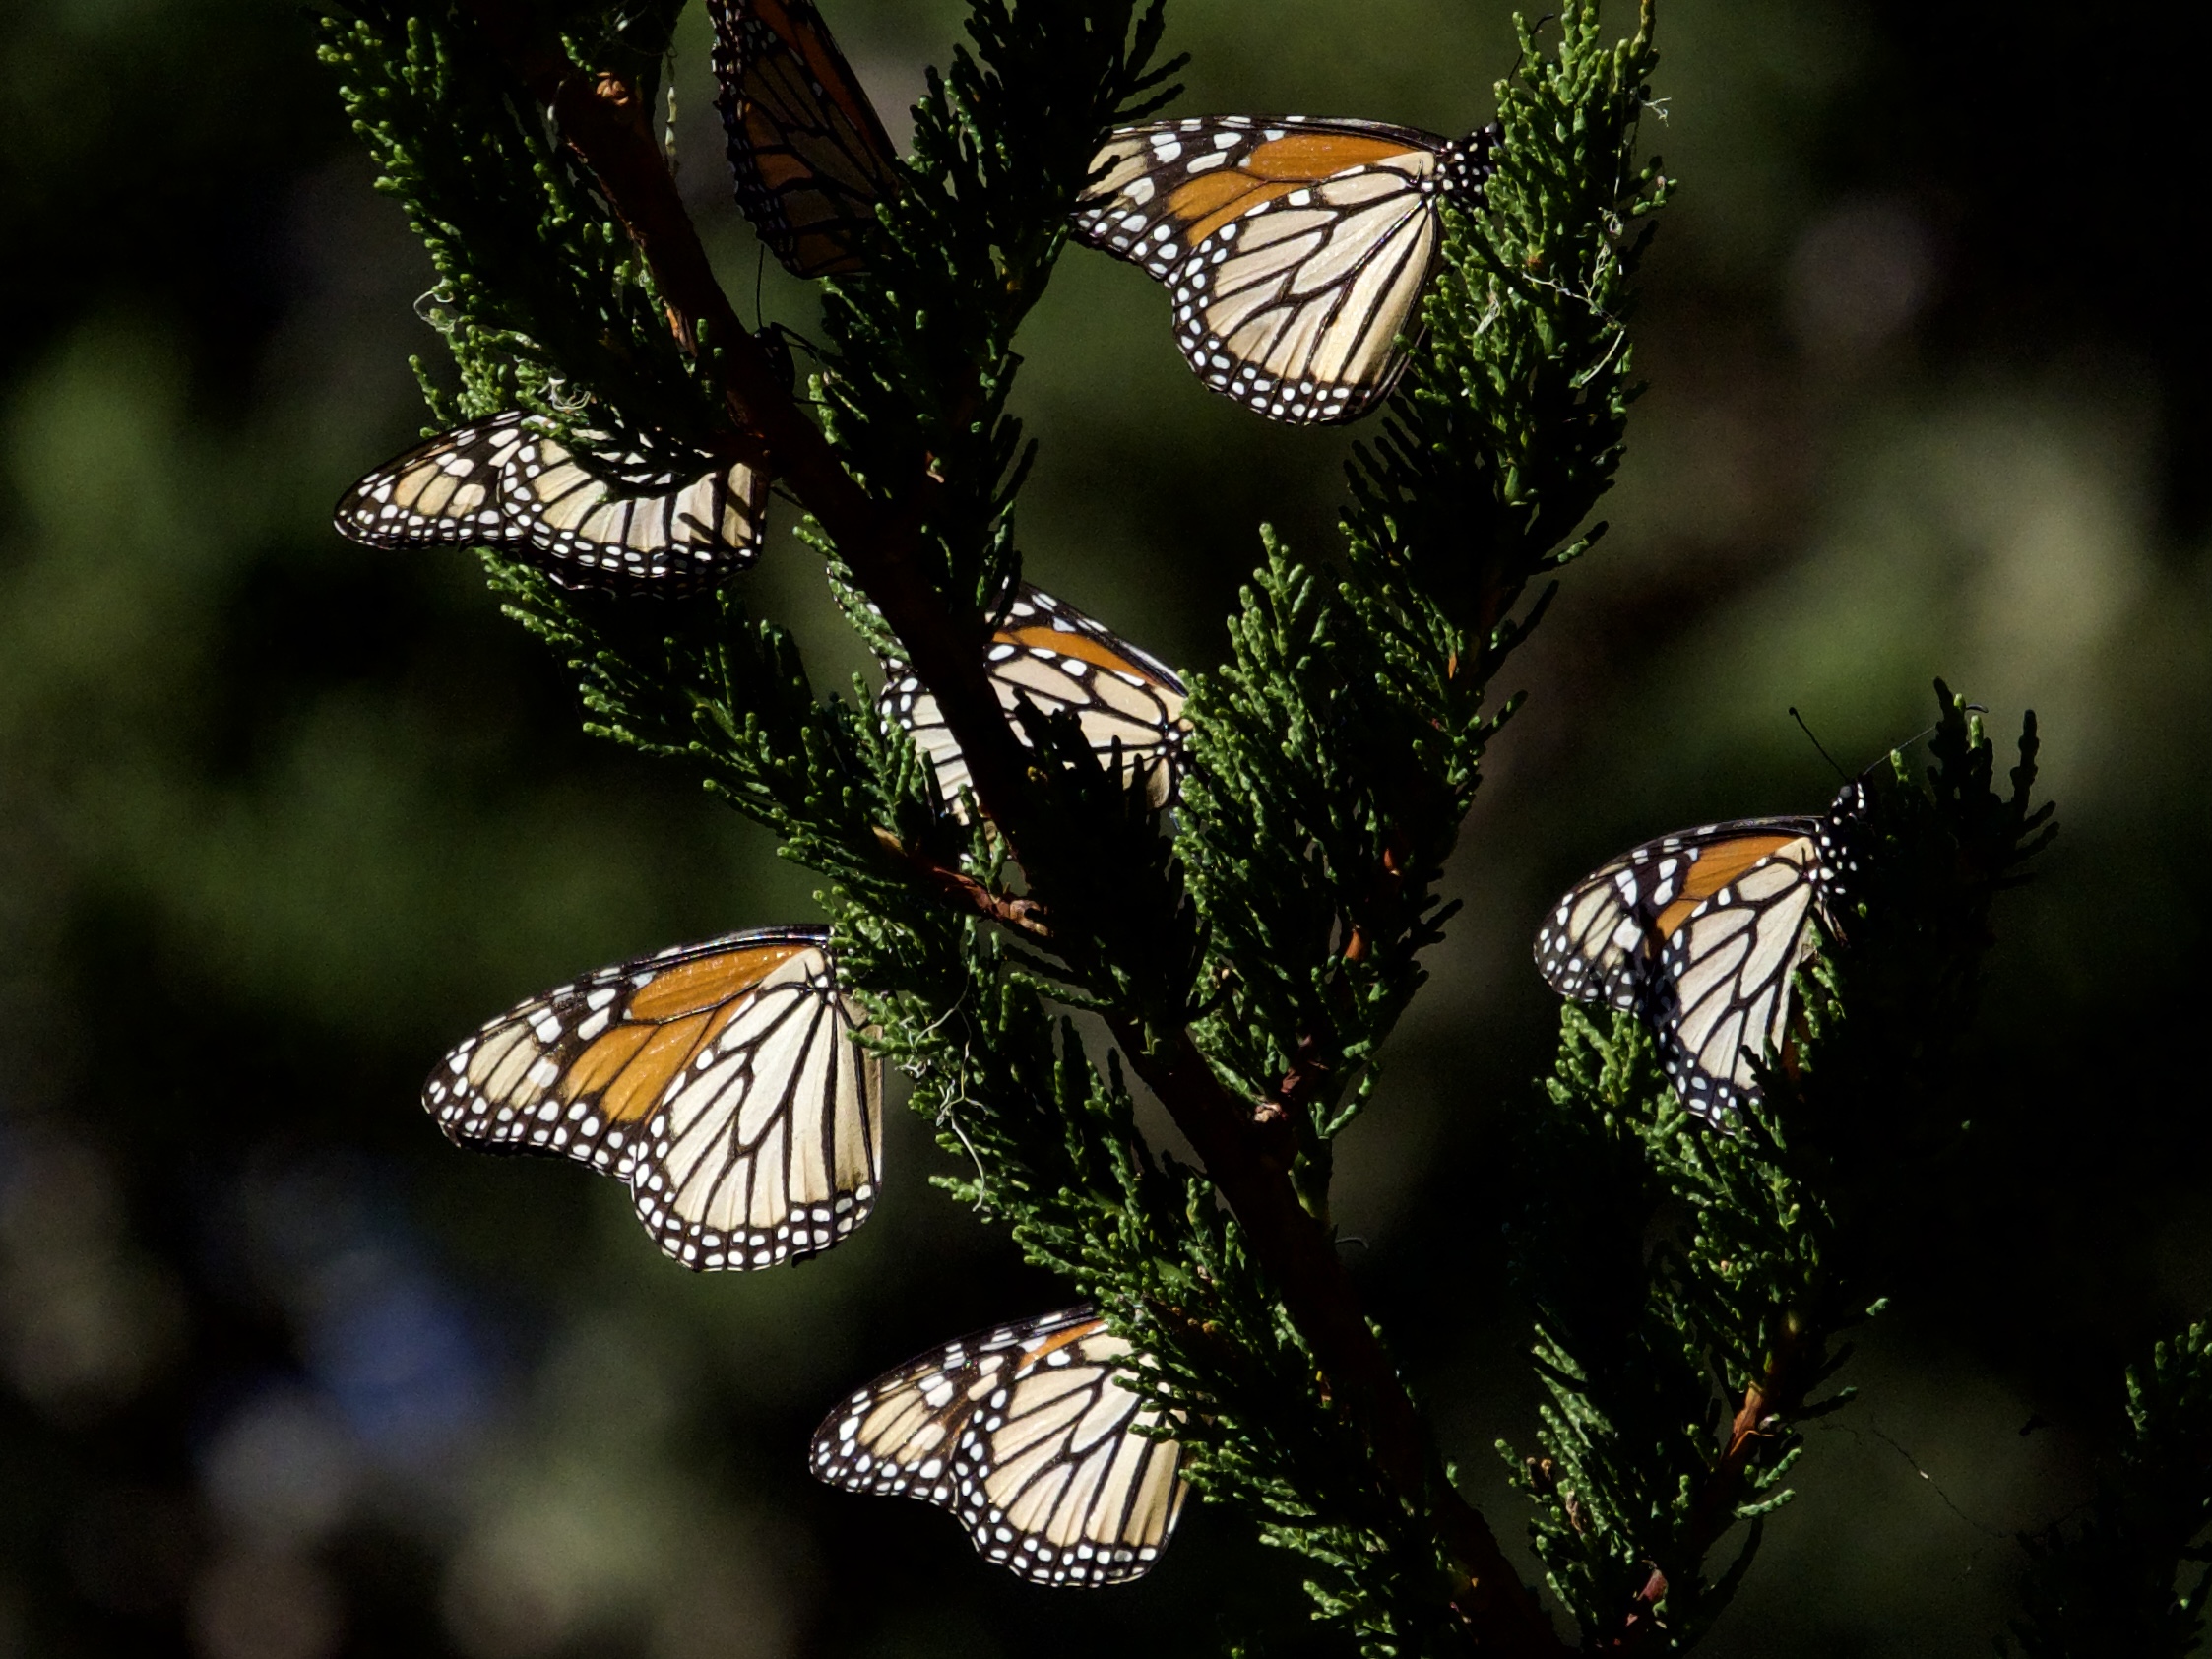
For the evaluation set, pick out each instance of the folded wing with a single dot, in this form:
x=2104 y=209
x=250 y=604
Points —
x=1026 y=1434
x=614 y=522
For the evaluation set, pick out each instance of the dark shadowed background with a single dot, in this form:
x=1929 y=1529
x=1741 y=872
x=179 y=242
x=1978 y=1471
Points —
x=284 y=1376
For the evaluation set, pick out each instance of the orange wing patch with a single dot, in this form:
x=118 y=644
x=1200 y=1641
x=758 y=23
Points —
x=1212 y=200
x=1060 y=1339
x=659 y=1060
x=722 y=1082
x=666 y=1022
x=1282 y=167
x=1061 y=642
x=1309 y=158
x=602 y=1066
x=1720 y=865
x=708 y=982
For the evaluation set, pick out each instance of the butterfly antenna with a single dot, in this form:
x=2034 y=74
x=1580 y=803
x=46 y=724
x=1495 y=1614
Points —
x=1927 y=731
x=1818 y=744
x=760 y=275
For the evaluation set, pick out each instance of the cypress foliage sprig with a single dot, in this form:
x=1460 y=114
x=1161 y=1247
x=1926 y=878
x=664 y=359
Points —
x=542 y=296
x=1338 y=753
x=1691 y=1287
x=1249 y=953
x=1511 y=428
x=2132 y=1575
x=921 y=355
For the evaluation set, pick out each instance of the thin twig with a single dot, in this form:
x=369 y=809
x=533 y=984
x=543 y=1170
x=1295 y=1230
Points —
x=1010 y=910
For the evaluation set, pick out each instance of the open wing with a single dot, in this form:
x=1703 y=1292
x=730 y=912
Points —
x=721 y=1082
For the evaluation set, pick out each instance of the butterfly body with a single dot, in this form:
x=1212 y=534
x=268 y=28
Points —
x=618 y=523
x=1296 y=250
x=1051 y=656
x=1024 y=1433
x=1700 y=931
x=720 y=1082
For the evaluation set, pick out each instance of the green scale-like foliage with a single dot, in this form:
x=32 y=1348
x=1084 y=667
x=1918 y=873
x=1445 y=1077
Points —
x=541 y=295
x=921 y=355
x=2130 y=1576
x=1675 y=1270
x=1272 y=927
x=1338 y=753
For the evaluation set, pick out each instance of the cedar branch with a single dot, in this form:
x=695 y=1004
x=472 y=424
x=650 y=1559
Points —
x=601 y=118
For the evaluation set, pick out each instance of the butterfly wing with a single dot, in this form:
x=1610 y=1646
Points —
x=807 y=149
x=671 y=533
x=1027 y=1435
x=1296 y=250
x=443 y=492
x=502 y=484
x=1058 y=658
x=1606 y=934
x=1721 y=996
x=1700 y=931
x=721 y=1082
x=899 y=1436
x=1059 y=1465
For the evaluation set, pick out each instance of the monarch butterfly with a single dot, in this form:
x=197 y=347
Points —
x=1026 y=1433
x=503 y=483
x=1296 y=249
x=719 y=1081
x=1051 y=654
x=807 y=149
x=1700 y=931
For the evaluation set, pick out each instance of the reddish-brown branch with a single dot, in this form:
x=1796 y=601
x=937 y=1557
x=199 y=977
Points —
x=1774 y=1395
x=1251 y=1170
x=1247 y=1156
x=1007 y=909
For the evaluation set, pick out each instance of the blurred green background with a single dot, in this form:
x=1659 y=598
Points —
x=283 y=1376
